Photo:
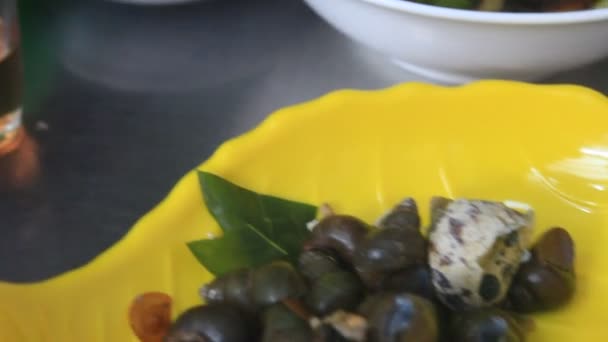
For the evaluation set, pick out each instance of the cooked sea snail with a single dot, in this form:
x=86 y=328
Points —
x=339 y=233
x=395 y=246
x=415 y=280
x=475 y=249
x=488 y=325
x=213 y=323
x=387 y=283
x=403 y=216
x=334 y=291
x=280 y=324
x=314 y=263
x=252 y=289
x=400 y=317
x=547 y=280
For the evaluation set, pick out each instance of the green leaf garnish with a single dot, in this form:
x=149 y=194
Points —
x=257 y=228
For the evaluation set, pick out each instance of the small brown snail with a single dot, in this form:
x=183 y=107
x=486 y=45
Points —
x=547 y=280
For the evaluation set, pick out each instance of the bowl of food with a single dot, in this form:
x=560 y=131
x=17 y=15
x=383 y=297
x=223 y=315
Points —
x=504 y=200
x=457 y=41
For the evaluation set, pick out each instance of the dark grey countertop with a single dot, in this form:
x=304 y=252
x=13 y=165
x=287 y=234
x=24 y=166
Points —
x=123 y=100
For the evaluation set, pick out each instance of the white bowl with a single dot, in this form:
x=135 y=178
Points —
x=459 y=46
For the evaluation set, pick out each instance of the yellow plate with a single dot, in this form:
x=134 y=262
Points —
x=362 y=152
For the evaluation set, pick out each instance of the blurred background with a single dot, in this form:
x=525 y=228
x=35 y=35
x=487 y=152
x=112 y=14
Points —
x=123 y=99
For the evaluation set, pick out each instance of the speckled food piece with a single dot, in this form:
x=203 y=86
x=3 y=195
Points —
x=475 y=249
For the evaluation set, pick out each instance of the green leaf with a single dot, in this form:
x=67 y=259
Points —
x=257 y=228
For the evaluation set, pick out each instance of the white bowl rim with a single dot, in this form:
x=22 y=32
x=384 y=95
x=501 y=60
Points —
x=554 y=18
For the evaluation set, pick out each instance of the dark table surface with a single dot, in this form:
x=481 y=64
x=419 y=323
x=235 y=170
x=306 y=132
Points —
x=122 y=100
